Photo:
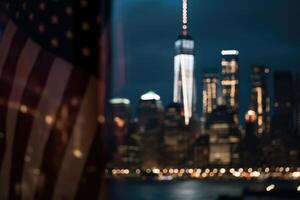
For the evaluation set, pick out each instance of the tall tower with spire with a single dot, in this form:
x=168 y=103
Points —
x=184 y=82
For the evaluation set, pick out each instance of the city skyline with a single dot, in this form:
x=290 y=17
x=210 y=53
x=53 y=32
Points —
x=246 y=125
x=218 y=137
x=274 y=47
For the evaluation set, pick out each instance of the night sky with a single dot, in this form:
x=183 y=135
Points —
x=264 y=31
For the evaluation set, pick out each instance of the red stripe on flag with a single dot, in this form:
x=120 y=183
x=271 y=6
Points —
x=61 y=133
x=26 y=116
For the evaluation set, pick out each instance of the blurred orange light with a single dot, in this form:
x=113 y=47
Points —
x=119 y=122
x=251 y=116
x=77 y=153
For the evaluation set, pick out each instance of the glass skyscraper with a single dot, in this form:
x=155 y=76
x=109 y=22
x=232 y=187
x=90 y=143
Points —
x=184 y=83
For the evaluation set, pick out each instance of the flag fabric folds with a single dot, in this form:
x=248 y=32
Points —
x=53 y=85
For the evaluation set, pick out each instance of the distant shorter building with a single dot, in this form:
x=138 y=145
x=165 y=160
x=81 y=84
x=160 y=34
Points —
x=120 y=107
x=250 y=123
x=283 y=120
x=210 y=93
x=127 y=154
x=151 y=117
x=120 y=115
x=130 y=154
x=201 y=152
x=118 y=119
x=174 y=137
x=250 y=151
x=150 y=111
x=130 y=150
x=282 y=146
x=224 y=138
x=179 y=138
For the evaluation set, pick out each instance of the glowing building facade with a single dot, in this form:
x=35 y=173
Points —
x=230 y=80
x=210 y=93
x=184 y=83
x=260 y=99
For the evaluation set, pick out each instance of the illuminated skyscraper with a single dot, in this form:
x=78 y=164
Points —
x=260 y=99
x=210 y=93
x=184 y=83
x=230 y=80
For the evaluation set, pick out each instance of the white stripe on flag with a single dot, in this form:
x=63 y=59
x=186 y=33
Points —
x=78 y=148
x=42 y=125
x=25 y=63
x=5 y=43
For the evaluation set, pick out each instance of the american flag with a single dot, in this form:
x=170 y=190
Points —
x=53 y=86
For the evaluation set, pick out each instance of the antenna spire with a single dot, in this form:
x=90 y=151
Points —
x=184 y=17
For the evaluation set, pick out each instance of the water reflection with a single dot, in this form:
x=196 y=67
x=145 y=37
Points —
x=175 y=190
